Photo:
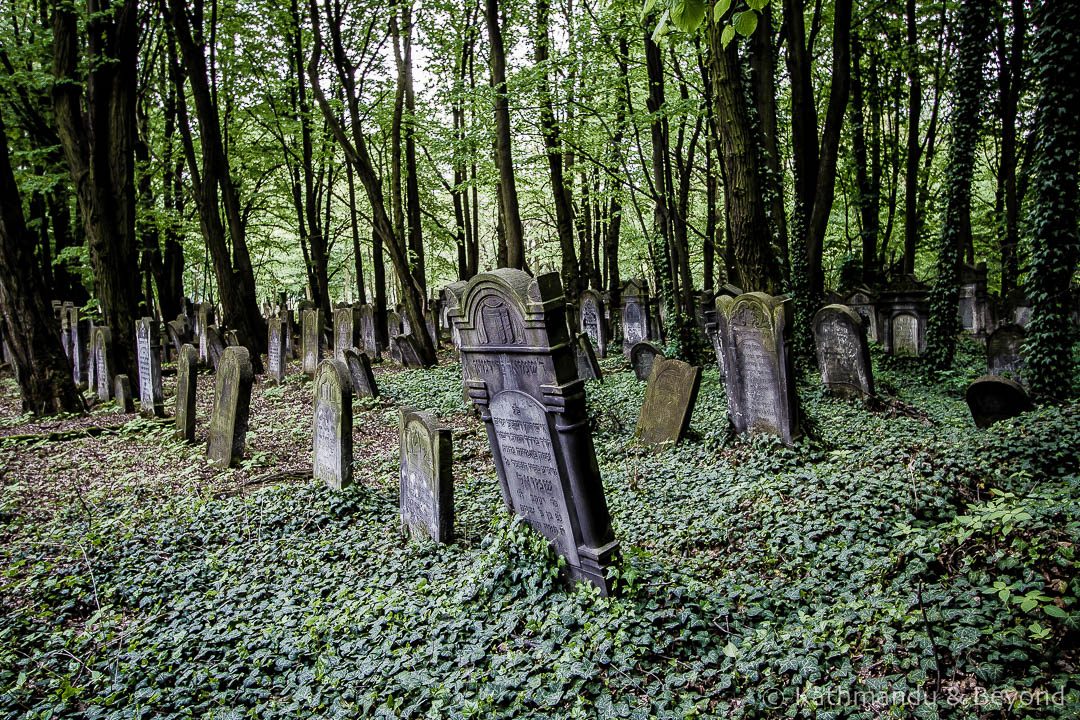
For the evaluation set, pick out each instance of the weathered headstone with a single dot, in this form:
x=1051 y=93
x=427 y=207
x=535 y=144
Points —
x=275 y=349
x=187 y=378
x=346 y=331
x=80 y=351
x=231 y=338
x=451 y=297
x=204 y=318
x=103 y=361
x=1003 y=351
x=592 y=321
x=864 y=302
x=404 y=350
x=669 y=402
x=906 y=334
x=760 y=378
x=519 y=371
x=65 y=329
x=148 y=352
x=393 y=324
x=122 y=393
x=903 y=310
x=843 y=354
x=360 y=369
x=311 y=346
x=232 y=400
x=331 y=437
x=588 y=367
x=426 y=496
x=367 y=331
x=288 y=328
x=976 y=313
x=642 y=355
x=635 y=315
x=992 y=399
x=215 y=345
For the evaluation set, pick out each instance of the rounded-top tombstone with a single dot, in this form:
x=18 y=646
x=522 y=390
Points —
x=360 y=369
x=426 y=481
x=451 y=297
x=992 y=399
x=331 y=436
x=103 y=361
x=232 y=399
x=593 y=322
x=642 y=356
x=843 y=353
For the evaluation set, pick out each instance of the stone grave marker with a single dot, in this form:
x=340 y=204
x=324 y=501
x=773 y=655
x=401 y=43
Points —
x=593 y=322
x=187 y=377
x=204 y=318
x=588 y=367
x=80 y=350
x=367 y=331
x=174 y=329
x=122 y=393
x=103 y=361
x=426 y=495
x=635 y=315
x=642 y=355
x=65 y=329
x=232 y=400
x=843 y=354
x=992 y=398
x=215 y=345
x=91 y=361
x=760 y=377
x=393 y=323
x=903 y=311
x=289 y=330
x=451 y=297
x=275 y=349
x=310 y=344
x=360 y=370
x=404 y=350
x=864 y=302
x=331 y=436
x=519 y=371
x=1003 y=350
x=669 y=402
x=346 y=331
x=148 y=352
x=231 y=338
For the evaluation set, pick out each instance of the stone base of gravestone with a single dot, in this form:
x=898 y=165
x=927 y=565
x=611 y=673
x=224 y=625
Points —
x=587 y=365
x=642 y=356
x=669 y=402
x=363 y=378
x=122 y=393
x=331 y=437
x=992 y=399
x=426 y=489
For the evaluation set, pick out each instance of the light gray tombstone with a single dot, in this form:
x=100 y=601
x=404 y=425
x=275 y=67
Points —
x=367 y=331
x=103 y=361
x=864 y=303
x=311 y=345
x=275 y=350
x=642 y=355
x=187 y=378
x=669 y=402
x=393 y=324
x=65 y=329
x=122 y=393
x=331 y=436
x=592 y=321
x=289 y=330
x=1004 y=351
x=232 y=401
x=204 y=318
x=588 y=366
x=903 y=311
x=346 y=331
x=992 y=399
x=635 y=315
x=843 y=354
x=80 y=350
x=906 y=331
x=760 y=375
x=148 y=351
x=426 y=488
x=360 y=369
x=451 y=297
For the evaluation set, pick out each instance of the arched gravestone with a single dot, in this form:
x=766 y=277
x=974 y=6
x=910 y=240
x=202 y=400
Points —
x=1003 y=350
x=635 y=315
x=148 y=352
x=187 y=377
x=864 y=303
x=451 y=297
x=903 y=312
x=519 y=371
x=593 y=322
x=359 y=365
x=992 y=399
x=760 y=377
x=367 y=331
x=346 y=331
x=103 y=361
x=642 y=356
x=906 y=333
x=331 y=436
x=669 y=402
x=122 y=393
x=393 y=324
x=311 y=328
x=588 y=367
x=426 y=481
x=232 y=399
x=275 y=349
x=843 y=354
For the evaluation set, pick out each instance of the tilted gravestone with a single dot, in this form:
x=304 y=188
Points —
x=310 y=331
x=1003 y=350
x=367 y=331
x=103 y=361
x=592 y=321
x=360 y=369
x=669 y=402
x=187 y=377
x=288 y=328
x=331 y=436
x=519 y=371
x=232 y=400
x=992 y=399
x=174 y=329
x=635 y=315
x=843 y=353
x=426 y=488
x=215 y=345
x=80 y=350
x=404 y=350
x=588 y=367
x=122 y=393
x=393 y=324
x=231 y=338
x=760 y=376
x=275 y=349
x=642 y=355
x=346 y=331
x=148 y=352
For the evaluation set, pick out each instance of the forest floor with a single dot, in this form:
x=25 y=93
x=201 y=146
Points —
x=895 y=562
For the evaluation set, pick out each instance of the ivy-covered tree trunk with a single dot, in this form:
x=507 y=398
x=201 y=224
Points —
x=1055 y=244
x=944 y=322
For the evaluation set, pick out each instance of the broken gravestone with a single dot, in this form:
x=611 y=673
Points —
x=588 y=367
x=187 y=369
x=360 y=370
x=426 y=496
x=843 y=353
x=331 y=436
x=122 y=393
x=642 y=356
x=232 y=400
x=148 y=351
x=992 y=399
x=669 y=402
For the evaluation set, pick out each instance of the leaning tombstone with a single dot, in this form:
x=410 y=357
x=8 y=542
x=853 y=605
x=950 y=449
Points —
x=103 y=361
x=843 y=353
x=187 y=369
x=992 y=399
x=592 y=321
x=360 y=370
x=331 y=436
x=393 y=323
x=405 y=350
x=642 y=355
x=122 y=393
x=231 y=338
x=148 y=352
x=215 y=345
x=669 y=402
x=519 y=372
x=1003 y=351
x=232 y=400
x=275 y=349
x=426 y=488
x=588 y=367
x=760 y=376
x=310 y=346
x=346 y=330
x=204 y=318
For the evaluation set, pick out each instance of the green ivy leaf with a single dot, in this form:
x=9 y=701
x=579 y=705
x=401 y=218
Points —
x=720 y=9
x=688 y=14
x=745 y=22
x=727 y=36
x=757 y=4
x=1054 y=611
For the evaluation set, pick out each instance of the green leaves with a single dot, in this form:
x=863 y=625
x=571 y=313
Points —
x=688 y=14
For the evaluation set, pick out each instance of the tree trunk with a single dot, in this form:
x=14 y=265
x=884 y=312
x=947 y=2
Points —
x=1010 y=84
x=911 y=174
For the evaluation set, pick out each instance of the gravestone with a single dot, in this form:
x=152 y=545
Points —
x=103 y=361
x=122 y=393
x=906 y=335
x=204 y=318
x=669 y=402
x=592 y=321
x=1018 y=307
x=360 y=370
x=80 y=351
x=65 y=329
x=451 y=297
x=367 y=331
x=91 y=361
x=760 y=375
x=404 y=350
x=635 y=315
x=275 y=349
x=976 y=316
x=215 y=345
x=426 y=488
x=231 y=338
x=843 y=354
x=148 y=352
x=992 y=399
x=519 y=371
x=232 y=399
x=642 y=355
x=1003 y=351
x=174 y=329
x=346 y=331
x=864 y=303
x=187 y=377
x=331 y=436
x=588 y=367
x=288 y=323
x=310 y=345
x=393 y=324
x=903 y=310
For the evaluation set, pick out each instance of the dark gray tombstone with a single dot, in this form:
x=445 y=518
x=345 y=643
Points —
x=519 y=370
x=992 y=399
x=232 y=400
x=426 y=489
x=642 y=355
x=91 y=361
x=843 y=354
x=331 y=436
x=1018 y=307
x=187 y=377
x=80 y=351
x=360 y=369
x=148 y=352
x=635 y=315
x=103 y=361
x=393 y=324
x=669 y=402
x=405 y=350
x=215 y=345
x=864 y=303
x=367 y=331
x=975 y=308
x=231 y=338
x=760 y=377
x=122 y=393
x=311 y=345
x=451 y=297
x=289 y=330
x=275 y=350
x=174 y=329
x=346 y=330
x=593 y=322
x=1003 y=351
x=588 y=367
